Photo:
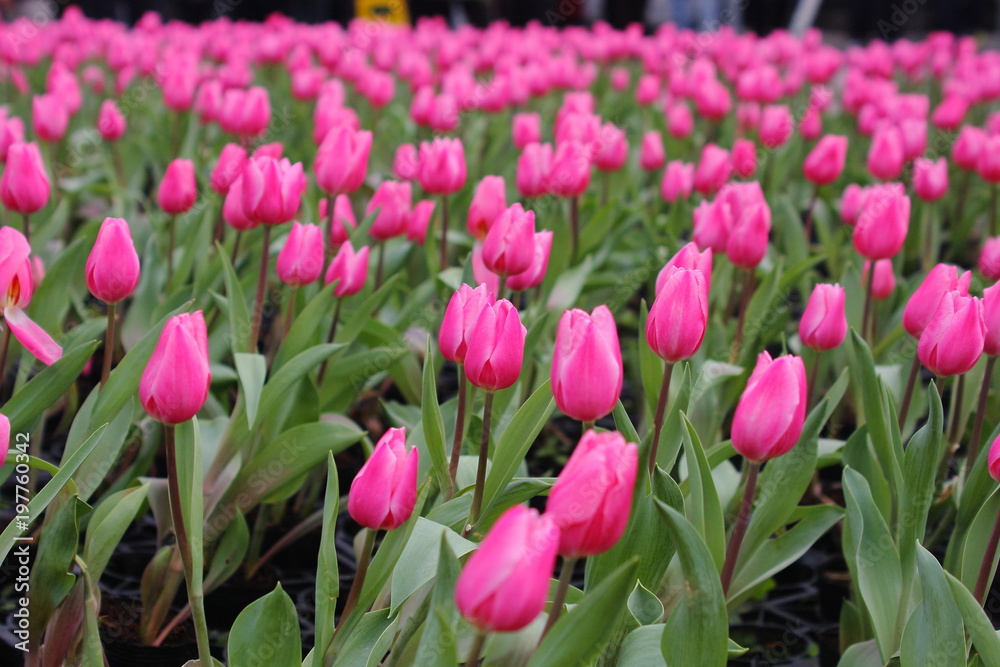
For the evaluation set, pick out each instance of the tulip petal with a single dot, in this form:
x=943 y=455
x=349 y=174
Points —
x=32 y=336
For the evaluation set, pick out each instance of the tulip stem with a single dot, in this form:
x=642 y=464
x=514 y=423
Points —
x=329 y=339
x=501 y=286
x=364 y=559
x=587 y=425
x=574 y=225
x=27 y=227
x=993 y=210
x=811 y=383
x=908 y=394
x=956 y=409
x=484 y=451
x=869 y=285
x=477 y=648
x=171 y=223
x=742 y=316
x=195 y=596
x=456 y=443
x=258 y=302
x=290 y=314
x=381 y=265
x=809 y=215
x=329 y=227
x=977 y=426
x=983 y=580
x=236 y=251
x=565 y=574
x=740 y=527
x=109 y=345
x=4 y=346
x=444 y=233
x=926 y=256
x=116 y=161
x=661 y=410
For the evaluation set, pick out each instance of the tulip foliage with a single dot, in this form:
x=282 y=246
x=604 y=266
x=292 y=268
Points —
x=721 y=303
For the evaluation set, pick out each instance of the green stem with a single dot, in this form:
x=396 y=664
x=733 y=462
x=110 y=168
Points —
x=476 y=650
x=956 y=409
x=381 y=265
x=258 y=302
x=290 y=314
x=329 y=339
x=983 y=580
x=109 y=345
x=661 y=410
x=811 y=380
x=868 y=300
x=27 y=227
x=742 y=316
x=560 y=599
x=364 y=559
x=908 y=394
x=574 y=225
x=977 y=427
x=170 y=249
x=484 y=452
x=740 y=527
x=456 y=443
x=444 y=233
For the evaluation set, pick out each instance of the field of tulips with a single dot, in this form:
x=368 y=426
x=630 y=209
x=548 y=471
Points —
x=378 y=345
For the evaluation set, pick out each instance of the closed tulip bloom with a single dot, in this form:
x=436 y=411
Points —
x=496 y=348
x=113 y=266
x=110 y=121
x=509 y=245
x=775 y=125
x=480 y=273
x=824 y=325
x=274 y=150
x=442 y=166
x=179 y=84
x=534 y=274
x=272 y=190
x=587 y=364
x=930 y=178
x=713 y=170
x=884 y=281
x=406 y=163
x=570 y=172
x=526 y=129
x=175 y=383
x=178 y=189
x=488 y=202
x=24 y=186
x=392 y=200
x=967 y=147
x=592 y=498
x=744 y=158
x=350 y=268
x=460 y=318
x=826 y=160
x=232 y=207
x=343 y=219
x=384 y=491
x=883 y=223
x=811 y=124
x=49 y=117
x=678 y=181
x=991 y=318
x=246 y=113
x=533 y=167
x=651 y=154
x=770 y=413
x=922 y=305
x=208 y=101
x=747 y=243
x=11 y=132
x=342 y=160
x=678 y=319
x=680 y=122
x=954 y=338
x=228 y=167
x=950 y=113
x=688 y=257
x=300 y=261
x=989 y=160
x=505 y=583
x=850 y=203
x=713 y=221
x=989 y=258
x=620 y=78
x=612 y=148
x=993 y=460
x=885 y=157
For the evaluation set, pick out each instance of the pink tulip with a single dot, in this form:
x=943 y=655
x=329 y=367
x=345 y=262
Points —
x=16 y=288
x=569 y=175
x=488 y=202
x=392 y=200
x=179 y=85
x=651 y=155
x=713 y=221
x=744 y=158
x=678 y=181
x=612 y=148
x=343 y=219
x=993 y=460
x=24 y=186
x=49 y=117
x=228 y=167
x=989 y=258
x=406 y=163
x=533 y=168
x=300 y=261
x=619 y=78
x=509 y=245
x=647 y=89
x=342 y=160
x=688 y=257
x=4 y=438
x=950 y=113
x=350 y=268
x=850 y=203
x=480 y=273
x=328 y=117
x=885 y=157
x=175 y=383
x=11 y=132
x=245 y=113
x=460 y=318
x=496 y=347
x=272 y=190
x=442 y=166
x=991 y=318
x=110 y=121
x=770 y=413
x=824 y=325
x=680 y=122
x=988 y=165
x=775 y=125
x=913 y=132
x=232 y=207
x=922 y=305
x=713 y=169
x=274 y=150
x=505 y=583
x=208 y=101
x=112 y=270
x=811 y=124
x=419 y=220
x=826 y=160
x=883 y=222
x=967 y=147
x=587 y=364
x=534 y=274
x=527 y=129
x=747 y=243
x=592 y=497
x=930 y=178
x=178 y=189
x=884 y=281
x=953 y=340
x=678 y=319
x=422 y=106
x=384 y=491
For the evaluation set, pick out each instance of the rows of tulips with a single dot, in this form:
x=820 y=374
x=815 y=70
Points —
x=749 y=322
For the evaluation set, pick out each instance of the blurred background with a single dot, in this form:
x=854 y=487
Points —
x=857 y=20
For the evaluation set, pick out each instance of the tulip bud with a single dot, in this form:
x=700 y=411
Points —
x=651 y=155
x=883 y=222
x=688 y=257
x=245 y=113
x=930 y=178
x=509 y=245
x=967 y=147
x=953 y=340
x=884 y=281
x=535 y=273
x=49 y=117
x=480 y=274
x=175 y=383
x=826 y=160
x=570 y=172
x=885 y=157
x=770 y=413
x=587 y=364
x=592 y=497
x=11 y=132
x=775 y=125
x=533 y=167
x=526 y=129
x=989 y=258
x=442 y=166
x=384 y=491
x=392 y=201
x=113 y=265
x=993 y=460
x=110 y=121
x=824 y=325
x=713 y=170
x=505 y=583
x=678 y=319
x=460 y=318
x=991 y=318
x=680 y=122
x=406 y=163
x=342 y=160
x=300 y=261
x=851 y=202
x=228 y=168
x=343 y=219
x=488 y=202
x=922 y=305
x=496 y=348
x=232 y=207
x=272 y=190
x=747 y=243
x=24 y=186
x=178 y=189
x=612 y=148
x=811 y=124
x=744 y=158
x=678 y=181
x=350 y=268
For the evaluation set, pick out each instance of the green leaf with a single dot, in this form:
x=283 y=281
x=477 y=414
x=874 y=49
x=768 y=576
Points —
x=42 y=499
x=582 y=633
x=190 y=480
x=978 y=625
x=516 y=440
x=438 y=644
x=977 y=539
x=281 y=382
x=703 y=507
x=239 y=315
x=107 y=526
x=433 y=423
x=921 y=461
x=95 y=469
x=268 y=627
x=44 y=390
x=252 y=370
x=697 y=630
x=306 y=328
x=327 y=569
x=644 y=606
x=418 y=562
x=229 y=552
x=934 y=635
x=642 y=647
x=50 y=580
